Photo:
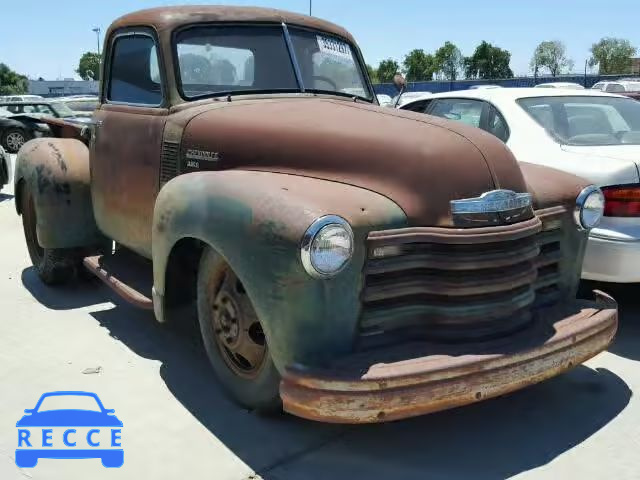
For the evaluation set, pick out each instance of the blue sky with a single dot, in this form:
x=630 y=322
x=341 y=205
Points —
x=46 y=39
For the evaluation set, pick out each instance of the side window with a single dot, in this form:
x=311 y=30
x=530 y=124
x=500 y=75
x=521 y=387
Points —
x=615 y=88
x=420 y=107
x=44 y=109
x=460 y=109
x=134 y=71
x=498 y=125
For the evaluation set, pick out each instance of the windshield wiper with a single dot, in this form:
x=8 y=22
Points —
x=227 y=93
x=340 y=94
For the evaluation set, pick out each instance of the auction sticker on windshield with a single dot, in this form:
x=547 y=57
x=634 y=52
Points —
x=334 y=47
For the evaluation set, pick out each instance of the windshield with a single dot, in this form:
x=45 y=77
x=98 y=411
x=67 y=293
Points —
x=593 y=121
x=62 y=110
x=328 y=64
x=215 y=60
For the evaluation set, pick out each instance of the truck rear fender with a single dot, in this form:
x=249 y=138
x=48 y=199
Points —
x=256 y=221
x=56 y=172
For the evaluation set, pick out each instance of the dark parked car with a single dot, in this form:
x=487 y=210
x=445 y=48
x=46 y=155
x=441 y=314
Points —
x=15 y=130
x=634 y=95
x=81 y=106
x=19 y=121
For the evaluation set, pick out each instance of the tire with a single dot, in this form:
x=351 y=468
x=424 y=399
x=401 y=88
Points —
x=54 y=265
x=14 y=138
x=248 y=378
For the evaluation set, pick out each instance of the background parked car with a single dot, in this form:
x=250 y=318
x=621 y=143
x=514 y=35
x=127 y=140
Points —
x=80 y=106
x=15 y=130
x=569 y=85
x=53 y=108
x=20 y=98
x=407 y=97
x=619 y=86
x=589 y=133
x=384 y=100
x=480 y=87
x=633 y=95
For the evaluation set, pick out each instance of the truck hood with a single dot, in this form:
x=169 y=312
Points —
x=418 y=161
x=607 y=164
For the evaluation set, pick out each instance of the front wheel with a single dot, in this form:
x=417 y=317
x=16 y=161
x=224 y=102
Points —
x=54 y=265
x=233 y=337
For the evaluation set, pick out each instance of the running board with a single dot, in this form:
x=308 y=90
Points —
x=127 y=274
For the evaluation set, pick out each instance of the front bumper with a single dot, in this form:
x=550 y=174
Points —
x=410 y=380
x=609 y=260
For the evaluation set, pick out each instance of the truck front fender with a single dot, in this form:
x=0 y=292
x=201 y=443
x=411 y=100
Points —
x=256 y=221
x=56 y=172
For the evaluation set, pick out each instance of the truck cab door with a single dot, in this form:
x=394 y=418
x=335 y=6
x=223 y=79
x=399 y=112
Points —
x=127 y=139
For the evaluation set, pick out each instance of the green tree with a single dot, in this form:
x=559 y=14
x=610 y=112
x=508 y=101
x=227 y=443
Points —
x=419 y=66
x=89 y=66
x=449 y=61
x=551 y=55
x=387 y=69
x=12 y=83
x=373 y=74
x=487 y=62
x=612 y=55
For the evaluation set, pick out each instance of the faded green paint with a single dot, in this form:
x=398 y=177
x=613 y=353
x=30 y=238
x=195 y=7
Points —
x=256 y=220
x=56 y=172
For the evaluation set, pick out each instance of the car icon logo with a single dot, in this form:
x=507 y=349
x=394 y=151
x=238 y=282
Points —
x=69 y=425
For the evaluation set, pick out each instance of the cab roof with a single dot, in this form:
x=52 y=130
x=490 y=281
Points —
x=168 y=18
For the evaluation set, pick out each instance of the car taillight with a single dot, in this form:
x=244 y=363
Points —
x=622 y=201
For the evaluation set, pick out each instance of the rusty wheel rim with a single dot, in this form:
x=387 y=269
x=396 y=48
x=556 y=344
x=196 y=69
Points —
x=236 y=328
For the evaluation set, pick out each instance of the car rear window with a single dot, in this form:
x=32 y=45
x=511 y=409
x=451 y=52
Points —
x=589 y=120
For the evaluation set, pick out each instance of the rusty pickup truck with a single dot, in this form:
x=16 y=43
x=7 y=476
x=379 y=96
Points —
x=347 y=263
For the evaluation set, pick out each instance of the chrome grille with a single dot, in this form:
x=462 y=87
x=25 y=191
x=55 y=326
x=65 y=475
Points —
x=456 y=285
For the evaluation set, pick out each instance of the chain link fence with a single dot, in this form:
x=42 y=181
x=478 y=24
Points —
x=437 y=86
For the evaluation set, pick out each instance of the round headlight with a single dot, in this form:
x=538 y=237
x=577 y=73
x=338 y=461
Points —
x=589 y=207
x=327 y=246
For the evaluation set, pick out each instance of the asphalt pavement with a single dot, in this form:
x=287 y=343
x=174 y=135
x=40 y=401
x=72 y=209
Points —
x=177 y=424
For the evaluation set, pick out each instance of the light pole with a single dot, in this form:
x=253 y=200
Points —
x=97 y=32
x=310 y=4
x=586 y=62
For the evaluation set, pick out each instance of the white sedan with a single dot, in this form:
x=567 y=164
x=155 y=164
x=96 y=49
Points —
x=585 y=132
